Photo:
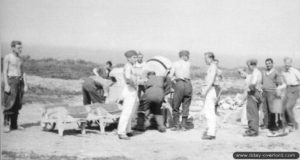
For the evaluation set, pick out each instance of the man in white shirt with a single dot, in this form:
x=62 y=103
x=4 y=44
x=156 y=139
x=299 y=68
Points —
x=210 y=94
x=254 y=98
x=129 y=93
x=291 y=77
x=139 y=69
x=183 y=90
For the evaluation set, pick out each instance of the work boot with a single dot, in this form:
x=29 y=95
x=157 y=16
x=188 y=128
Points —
x=272 y=124
x=14 y=123
x=140 y=126
x=123 y=137
x=160 y=123
x=176 y=126
x=184 y=125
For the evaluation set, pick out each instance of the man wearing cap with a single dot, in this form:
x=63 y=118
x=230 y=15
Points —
x=254 y=98
x=130 y=97
x=292 y=79
x=183 y=90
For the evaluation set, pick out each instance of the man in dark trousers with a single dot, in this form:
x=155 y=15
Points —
x=156 y=88
x=14 y=86
x=183 y=90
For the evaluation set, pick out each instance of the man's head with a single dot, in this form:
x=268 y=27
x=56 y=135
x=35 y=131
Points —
x=131 y=56
x=209 y=57
x=252 y=64
x=184 y=55
x=140 y=57
x=151 y=74
x=269 y=63
x=16 y=47
x=217 y=62
x=108 y=64
x=287 y=63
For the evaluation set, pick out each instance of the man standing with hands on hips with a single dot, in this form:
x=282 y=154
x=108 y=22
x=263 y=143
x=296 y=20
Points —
x=130 y=101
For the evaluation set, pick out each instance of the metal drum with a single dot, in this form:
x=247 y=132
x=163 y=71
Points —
x=159 y=64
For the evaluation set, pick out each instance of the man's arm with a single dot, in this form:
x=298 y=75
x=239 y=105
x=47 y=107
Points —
x=172 y=72
x=128 y=76
x=23 y=74
x=25 y=82
x=297 y=73
x=5 y=72
x=105 y=83
x=211 y=79
x=95 y=71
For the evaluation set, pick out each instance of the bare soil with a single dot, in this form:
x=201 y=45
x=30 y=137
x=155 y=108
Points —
x=32 y=143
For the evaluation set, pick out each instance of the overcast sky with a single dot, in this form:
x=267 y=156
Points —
x=234 y=29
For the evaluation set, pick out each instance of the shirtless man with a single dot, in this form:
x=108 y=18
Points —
x=14 y=86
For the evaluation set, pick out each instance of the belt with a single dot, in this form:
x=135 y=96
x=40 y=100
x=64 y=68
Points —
x=15 y=77
x=297 y=85
x=185 y=79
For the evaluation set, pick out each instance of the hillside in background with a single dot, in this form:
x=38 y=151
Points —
x=76 y=69
x=53 y=68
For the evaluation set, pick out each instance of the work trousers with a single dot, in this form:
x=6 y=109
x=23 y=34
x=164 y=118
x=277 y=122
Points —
x=209 y=111
x=182 y=95
x=252 y=112
x=130 y=103
x=92 y=93
x=13 y=101
x=289 y=102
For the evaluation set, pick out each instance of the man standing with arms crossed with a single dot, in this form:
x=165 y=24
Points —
x=210 y=94
x=183 y=90
x=130 y=100
x=292 y=79
x=14 y=86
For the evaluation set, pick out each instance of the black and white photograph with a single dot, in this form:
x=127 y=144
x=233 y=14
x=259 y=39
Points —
x=150 y=80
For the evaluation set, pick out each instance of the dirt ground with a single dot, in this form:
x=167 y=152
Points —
x=32 y=143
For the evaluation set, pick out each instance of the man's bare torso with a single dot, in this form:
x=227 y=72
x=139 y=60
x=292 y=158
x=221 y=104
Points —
x=15 y=65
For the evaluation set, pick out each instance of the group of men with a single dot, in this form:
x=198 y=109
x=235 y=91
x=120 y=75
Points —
x=157 y=88
x=276 y=92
